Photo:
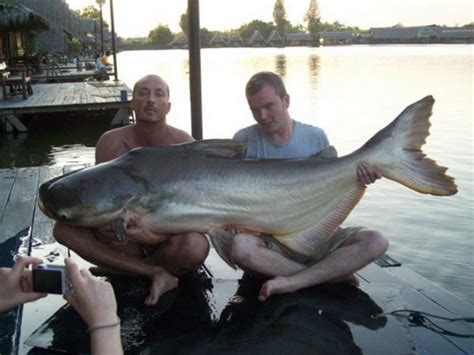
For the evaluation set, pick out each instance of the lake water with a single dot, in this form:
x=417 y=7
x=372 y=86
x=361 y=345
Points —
x=349 y=91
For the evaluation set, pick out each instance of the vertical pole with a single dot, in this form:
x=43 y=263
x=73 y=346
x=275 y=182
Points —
x=112 y=24
x=101 y=32
x=195 y=68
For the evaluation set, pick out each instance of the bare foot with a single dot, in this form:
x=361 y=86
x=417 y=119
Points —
x=277 y=285
x=161 y=283
x=350 y=279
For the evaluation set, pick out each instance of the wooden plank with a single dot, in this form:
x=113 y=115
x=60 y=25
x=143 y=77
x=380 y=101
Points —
x=427 y=339
x=20 y=207
x=373 y=273
x=7 y=179
x=16 y=123
x=435 y=293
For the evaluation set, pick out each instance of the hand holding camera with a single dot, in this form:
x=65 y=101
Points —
x=93 y=298
x=17 y=284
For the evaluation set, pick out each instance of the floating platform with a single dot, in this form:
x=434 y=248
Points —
x=215 y=310
x=68 y=97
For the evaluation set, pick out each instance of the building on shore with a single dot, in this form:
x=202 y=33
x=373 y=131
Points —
x=65 y=25
x=421 y=34
x=298 y=39
x=217 y=40
x=180 y=41
x=256 y=40
x=234 y=40
x=275 y=39
x=336 y=37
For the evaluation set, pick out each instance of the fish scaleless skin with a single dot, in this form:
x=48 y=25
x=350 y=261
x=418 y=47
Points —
x=205 y=186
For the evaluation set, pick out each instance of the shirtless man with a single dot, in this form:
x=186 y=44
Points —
x=158 y=257
x=277 y=135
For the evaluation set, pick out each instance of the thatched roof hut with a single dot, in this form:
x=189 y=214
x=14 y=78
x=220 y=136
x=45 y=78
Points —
x=15 y=17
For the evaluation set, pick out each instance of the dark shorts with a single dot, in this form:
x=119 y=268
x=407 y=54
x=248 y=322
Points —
x=324 y=248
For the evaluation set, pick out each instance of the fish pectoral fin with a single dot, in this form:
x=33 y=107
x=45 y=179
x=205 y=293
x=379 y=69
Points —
x=222 y=241
x=327 y=153
x=226 y=148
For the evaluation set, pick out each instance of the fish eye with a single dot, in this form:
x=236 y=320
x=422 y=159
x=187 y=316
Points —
x=63 y=216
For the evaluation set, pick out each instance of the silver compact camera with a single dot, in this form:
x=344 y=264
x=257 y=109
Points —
x=51 y=278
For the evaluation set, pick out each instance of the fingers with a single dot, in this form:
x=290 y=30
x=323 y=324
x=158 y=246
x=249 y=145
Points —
x=367 y=174
x=74 y=274
x=32 y=296
x=86 y=274
x=21 y=263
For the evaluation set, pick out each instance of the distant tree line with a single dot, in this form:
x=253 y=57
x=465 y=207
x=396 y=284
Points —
x=161 y=36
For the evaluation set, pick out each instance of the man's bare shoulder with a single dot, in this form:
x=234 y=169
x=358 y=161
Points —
x=113 y=143
x=177 y=135
x=113 y=134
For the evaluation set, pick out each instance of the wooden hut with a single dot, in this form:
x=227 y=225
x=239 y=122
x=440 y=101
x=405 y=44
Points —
x=180 y=41
x=256 y=39
x=335 y=37
x=217 y=40
x=298 y=39
x=275 y=39
x=17 y=22
x=235 y=40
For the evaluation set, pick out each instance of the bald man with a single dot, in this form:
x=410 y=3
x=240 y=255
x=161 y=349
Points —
x=161 y=258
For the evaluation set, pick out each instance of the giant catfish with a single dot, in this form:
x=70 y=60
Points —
x=206 y=186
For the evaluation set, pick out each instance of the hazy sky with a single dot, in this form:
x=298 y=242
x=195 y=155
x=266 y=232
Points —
x=137 y=17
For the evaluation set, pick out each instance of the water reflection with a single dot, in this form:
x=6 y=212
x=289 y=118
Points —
x=66 y=144
x=280 y=65
x=313 y=66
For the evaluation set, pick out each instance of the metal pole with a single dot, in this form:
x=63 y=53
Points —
x=195 y=68
x=101 y=32
x=112 y=24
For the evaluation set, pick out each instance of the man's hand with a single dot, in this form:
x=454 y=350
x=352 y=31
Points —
x=145 y=236
x=367 y=174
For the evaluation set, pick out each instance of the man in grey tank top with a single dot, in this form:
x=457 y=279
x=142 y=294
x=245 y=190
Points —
x=277 y=135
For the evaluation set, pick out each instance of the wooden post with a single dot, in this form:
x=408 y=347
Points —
x=195 y=68
x=114 y=50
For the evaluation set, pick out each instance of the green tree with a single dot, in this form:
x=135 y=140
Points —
x=93 y=13
x=246 y=30
x=161 y=36
x=279 y=17
x=313 y=21
x=206 y=36
x=73 y=46
x=183 y=22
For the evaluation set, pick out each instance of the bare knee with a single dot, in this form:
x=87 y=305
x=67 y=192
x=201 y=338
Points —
x=243 y=248
x=191 y=249
x=374 y=242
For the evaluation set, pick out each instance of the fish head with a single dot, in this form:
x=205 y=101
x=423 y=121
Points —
x=89 y=197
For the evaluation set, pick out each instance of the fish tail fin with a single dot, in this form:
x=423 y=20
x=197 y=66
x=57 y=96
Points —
x=408 y=164
x=222 y=241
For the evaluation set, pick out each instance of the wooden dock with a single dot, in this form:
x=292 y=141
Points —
x=66 y=74
x=24 y=228
x=67 y=97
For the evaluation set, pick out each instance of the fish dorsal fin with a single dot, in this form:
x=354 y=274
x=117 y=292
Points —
x=327 y=153
x=227 y=148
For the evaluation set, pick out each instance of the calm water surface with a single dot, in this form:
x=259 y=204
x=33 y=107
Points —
x=351 y=92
